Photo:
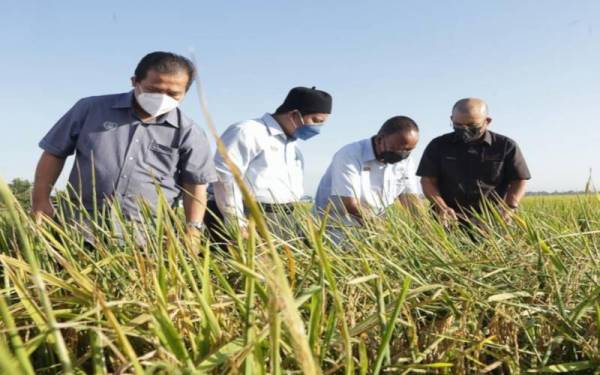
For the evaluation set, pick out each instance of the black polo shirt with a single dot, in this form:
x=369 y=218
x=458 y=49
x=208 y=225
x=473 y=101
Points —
x=466 y=172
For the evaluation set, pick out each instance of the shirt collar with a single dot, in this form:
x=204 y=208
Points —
x=125 y=100
x=487 y=138
x=367 y=152
x=272 y=125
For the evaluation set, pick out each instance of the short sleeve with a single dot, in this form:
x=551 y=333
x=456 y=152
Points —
x=61 y=140
x=516 y=167
x=196 y=164
x=241 y=150
x=410 y=179
x=429 y=165
x=240 y=145
x=345 y=176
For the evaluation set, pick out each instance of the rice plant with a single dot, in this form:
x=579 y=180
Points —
x=403 y=294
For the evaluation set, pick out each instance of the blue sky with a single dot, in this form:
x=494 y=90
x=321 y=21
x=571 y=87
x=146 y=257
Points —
x=535 y=62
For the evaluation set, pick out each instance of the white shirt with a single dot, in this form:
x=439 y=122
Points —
x=270 y=163
x=354 y=172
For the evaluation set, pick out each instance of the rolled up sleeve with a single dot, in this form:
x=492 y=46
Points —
x=61 y=140
x=195 y=161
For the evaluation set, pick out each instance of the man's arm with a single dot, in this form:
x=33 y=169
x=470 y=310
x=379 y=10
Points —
x=194 y=202
x=240 y=151
x=429 y=170
x=516 y=191
x=46 y=173
x=517 y=173
x=432 y=192
x=352 y=206
x=411 y=201
x=58 y=144
x=409 y=196
x=346 y=186
x=196 y=172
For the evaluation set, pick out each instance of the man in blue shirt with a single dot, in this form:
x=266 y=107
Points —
x=127 y=144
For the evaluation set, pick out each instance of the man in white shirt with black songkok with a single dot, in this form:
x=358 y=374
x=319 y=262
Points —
x=266 y=153
x=367 y=176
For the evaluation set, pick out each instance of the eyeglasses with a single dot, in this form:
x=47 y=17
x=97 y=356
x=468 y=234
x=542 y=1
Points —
x=473 y=125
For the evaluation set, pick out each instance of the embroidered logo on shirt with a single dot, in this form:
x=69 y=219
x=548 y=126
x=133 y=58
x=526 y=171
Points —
x=493 y=157
x=161 y=148
x=109 y=125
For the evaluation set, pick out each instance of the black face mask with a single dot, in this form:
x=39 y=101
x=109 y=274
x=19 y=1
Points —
x=468 y=134
x=391 y=157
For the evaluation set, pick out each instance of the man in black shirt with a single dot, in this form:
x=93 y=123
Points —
x=458 y=170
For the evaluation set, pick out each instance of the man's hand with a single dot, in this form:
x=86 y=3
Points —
x=430 y=188
x=447 y=215
x=244 y=232
x=507 y=214
x=41 y=208
x=353 y=208
x=194 y=234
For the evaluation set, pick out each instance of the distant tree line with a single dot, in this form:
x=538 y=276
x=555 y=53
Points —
x=21 y=188
x=568 y=192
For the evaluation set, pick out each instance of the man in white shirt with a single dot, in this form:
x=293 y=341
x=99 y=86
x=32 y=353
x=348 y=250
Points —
x=266 y=153
x=367 y=176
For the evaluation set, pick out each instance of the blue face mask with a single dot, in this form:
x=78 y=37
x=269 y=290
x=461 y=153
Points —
x=306 y=131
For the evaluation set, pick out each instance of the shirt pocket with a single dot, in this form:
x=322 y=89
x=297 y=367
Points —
x=162 y=159
x=450 y=167
x=371 y=188
x=103 y=140
x=492 y=171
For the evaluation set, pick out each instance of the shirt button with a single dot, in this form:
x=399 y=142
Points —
x=124 y=176
x=137 y=140
x=130 y=158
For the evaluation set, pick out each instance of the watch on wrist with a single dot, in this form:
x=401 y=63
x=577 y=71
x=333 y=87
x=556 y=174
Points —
x=196 y=224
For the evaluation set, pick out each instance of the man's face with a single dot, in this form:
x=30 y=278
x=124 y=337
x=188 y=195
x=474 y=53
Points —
x=173 y=84
x=315 y=118
x=471 y=120
x=312 y=119
x=405 y=141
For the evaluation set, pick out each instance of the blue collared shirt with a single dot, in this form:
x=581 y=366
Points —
x=125 y=158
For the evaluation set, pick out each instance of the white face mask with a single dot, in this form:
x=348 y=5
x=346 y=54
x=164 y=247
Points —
x=156 y=104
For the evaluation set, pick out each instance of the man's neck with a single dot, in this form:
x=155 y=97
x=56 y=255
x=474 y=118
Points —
x=281 y=122
x=374 y=147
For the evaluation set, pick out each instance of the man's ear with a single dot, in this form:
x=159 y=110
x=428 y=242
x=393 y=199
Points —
x=296 y=116
x=488 y=121
x=377 y=143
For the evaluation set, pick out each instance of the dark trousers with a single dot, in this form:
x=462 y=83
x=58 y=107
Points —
x=214 y=219
x=214 y=224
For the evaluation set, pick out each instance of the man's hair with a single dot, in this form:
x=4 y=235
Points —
x=166 y=63
x=398 y=124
